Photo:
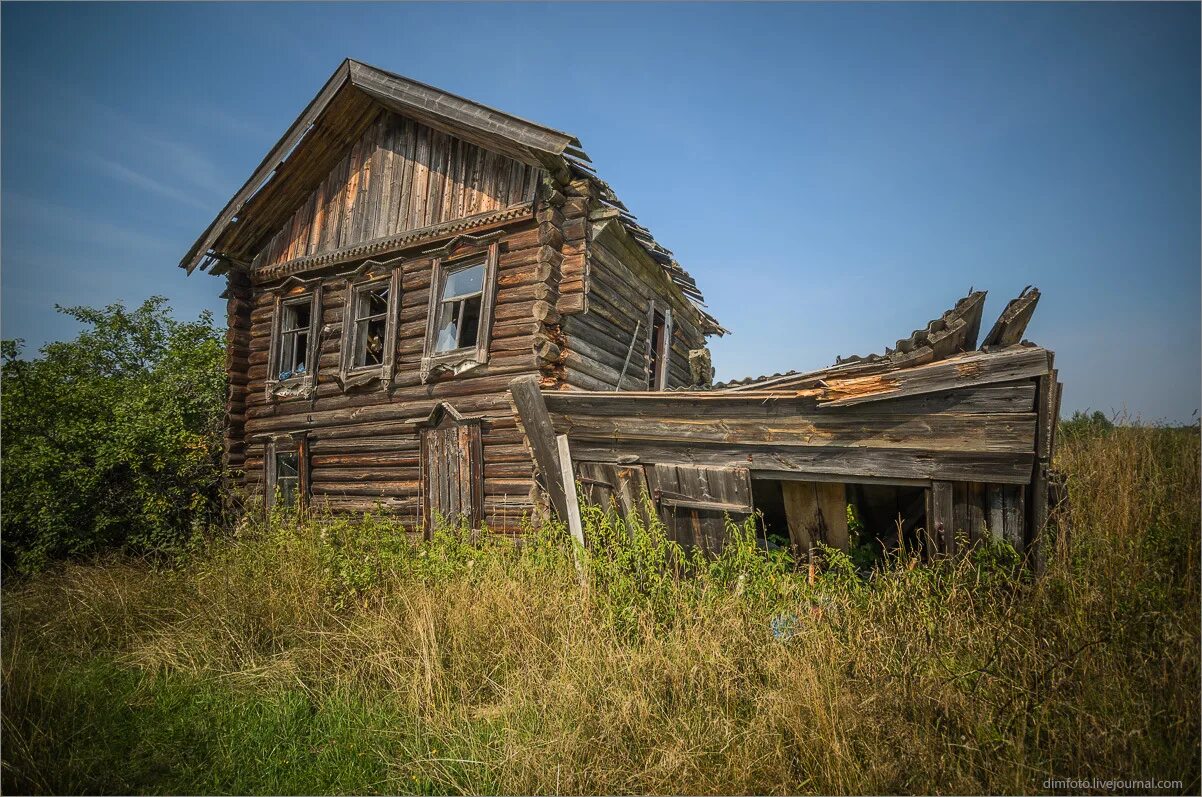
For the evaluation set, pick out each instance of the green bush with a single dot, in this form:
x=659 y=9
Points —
x=113 y=439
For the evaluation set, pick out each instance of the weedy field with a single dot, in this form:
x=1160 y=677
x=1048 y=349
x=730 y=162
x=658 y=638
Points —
x=336 y=656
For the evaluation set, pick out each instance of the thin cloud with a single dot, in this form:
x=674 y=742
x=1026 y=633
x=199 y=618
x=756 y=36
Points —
x=55 y=222
x=120 y=171
x=220 y=119
x=183 y=169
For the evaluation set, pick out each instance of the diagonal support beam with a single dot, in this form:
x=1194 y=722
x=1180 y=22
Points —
x=540 y=436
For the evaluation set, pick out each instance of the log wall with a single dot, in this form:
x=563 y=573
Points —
x=617 y=283
x=364 y=443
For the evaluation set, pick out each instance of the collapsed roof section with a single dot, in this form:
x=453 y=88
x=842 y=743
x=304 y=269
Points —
x=342 y=110
x=952 y=334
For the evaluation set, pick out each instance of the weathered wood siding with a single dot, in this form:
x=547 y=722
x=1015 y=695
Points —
x=983 y=434
x=365 y=448
x=400 y=175
x=617 y=284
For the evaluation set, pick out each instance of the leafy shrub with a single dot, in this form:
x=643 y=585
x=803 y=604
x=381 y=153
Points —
x=113 y=439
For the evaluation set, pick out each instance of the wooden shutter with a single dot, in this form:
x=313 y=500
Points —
x=452 y=473
x=621 y=487
x=694 y=501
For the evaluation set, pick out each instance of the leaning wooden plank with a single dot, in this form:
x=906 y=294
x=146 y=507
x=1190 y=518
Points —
x=569 y=483
x=1012 y=323
x=540 y=434
x=977 y=368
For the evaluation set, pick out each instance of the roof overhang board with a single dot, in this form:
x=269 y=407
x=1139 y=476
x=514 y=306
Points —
x=479 y=124
x=267 y=166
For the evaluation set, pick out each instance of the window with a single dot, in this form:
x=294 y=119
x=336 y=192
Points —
x=292 y=366
x=294 y=339
x=462 y=297
x=659 y=347
x=369 y=317
x=287 y=477
x=369 y=328
x=458 y=326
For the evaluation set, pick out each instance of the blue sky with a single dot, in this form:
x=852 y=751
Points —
x=833 y=175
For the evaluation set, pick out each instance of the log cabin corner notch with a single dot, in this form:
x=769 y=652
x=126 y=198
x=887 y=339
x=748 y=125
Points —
x=402 y=249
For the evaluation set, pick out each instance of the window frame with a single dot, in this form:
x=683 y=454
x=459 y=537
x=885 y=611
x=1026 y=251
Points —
x=464 y=357
x=349 y=374
x=659 y=379
x=294 y=386
x=297 y=445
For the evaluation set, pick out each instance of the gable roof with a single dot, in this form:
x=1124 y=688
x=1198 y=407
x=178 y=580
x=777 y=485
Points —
x=342 y=109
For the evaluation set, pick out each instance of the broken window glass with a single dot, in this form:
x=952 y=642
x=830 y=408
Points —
x=294 y=338
x=370 y=325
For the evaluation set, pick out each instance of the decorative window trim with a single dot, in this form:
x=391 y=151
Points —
x=348 y=375
x=660 y=381
x=297 y=443
x=294 y=386
x=463 y=359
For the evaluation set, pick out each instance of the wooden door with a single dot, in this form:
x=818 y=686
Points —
x=694 y=502
x=452 y=474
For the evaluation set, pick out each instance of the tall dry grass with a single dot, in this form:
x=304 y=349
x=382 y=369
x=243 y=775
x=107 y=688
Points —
x=337 y=656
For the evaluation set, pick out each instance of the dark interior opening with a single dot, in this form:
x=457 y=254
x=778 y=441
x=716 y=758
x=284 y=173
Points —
x=657 y=347
x=878 y=508
x=772 y=522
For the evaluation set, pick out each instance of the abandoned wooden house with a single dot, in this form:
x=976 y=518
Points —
x=438 y=309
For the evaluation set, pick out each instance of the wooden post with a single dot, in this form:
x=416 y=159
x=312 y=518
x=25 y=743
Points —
x=540 y=434
x=943 y=520
x=573 y=508
x=959 y=509
x=996 y=503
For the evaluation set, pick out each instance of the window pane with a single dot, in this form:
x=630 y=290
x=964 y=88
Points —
x=446 y=329
x=469 y=322
x=288 y=489
x=369 y=342
x=289 y=353
x=296 y=316
x=464 y=282
x=373 y=301
x=285 y=465
x=287 y=477
x=300 y=352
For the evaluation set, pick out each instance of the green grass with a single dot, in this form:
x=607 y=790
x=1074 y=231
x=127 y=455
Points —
x=338 y=656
